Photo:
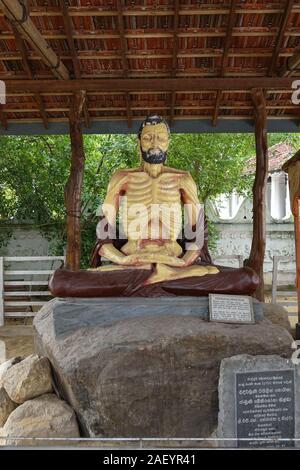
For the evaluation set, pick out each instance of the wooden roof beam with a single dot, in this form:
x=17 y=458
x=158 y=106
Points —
x=205 y=9
x=124 y=59
x=37 y=96
x=17 y=14
x=206 y=106
x=185 y=33
x=140 y=54
x=230 y=25
x=76 y=65
x=159 y=85
x=174 y=57
x=280 y=35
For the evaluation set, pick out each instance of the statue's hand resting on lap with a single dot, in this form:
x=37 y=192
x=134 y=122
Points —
x=138 y=260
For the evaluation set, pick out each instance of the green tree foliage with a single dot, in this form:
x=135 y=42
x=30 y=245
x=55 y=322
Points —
x=216 y=161
x=33 y=173
x=34 y=170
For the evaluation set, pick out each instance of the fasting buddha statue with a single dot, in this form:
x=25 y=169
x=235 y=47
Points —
x=149 y=257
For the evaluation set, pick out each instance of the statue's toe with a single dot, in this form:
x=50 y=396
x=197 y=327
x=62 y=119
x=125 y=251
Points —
x=212 y=270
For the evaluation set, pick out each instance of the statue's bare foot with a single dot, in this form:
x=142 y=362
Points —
x=168 y=273
x=212 y=270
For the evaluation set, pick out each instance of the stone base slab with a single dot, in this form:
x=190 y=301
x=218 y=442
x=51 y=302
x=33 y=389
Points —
x=71 y=314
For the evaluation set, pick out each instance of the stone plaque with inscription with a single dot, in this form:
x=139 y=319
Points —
x=259 y=402
x=231 y=308
x=265 y=408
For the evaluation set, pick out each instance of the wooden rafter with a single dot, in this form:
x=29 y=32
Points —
x=174 y=57
x=124 y=59
x=16 y=15
x=280 y=35
x=291 y=64
x=37 y=96
x=76 y=65
x=283 y=25
x=69 y=33
x=230 y=25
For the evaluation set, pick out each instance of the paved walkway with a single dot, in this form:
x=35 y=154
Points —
x=15 y=340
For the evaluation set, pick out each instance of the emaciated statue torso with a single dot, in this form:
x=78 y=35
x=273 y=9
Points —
x=162 y=229
x=150 y=200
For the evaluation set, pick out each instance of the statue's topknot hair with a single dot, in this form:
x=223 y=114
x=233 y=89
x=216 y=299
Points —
x=152 y=120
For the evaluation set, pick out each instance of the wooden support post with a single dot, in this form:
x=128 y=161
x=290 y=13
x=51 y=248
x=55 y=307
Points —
x=292 y=167
x=296 y=212
x=257 y=254
x=74 y=184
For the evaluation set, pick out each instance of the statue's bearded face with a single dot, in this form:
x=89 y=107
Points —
x=154 y=142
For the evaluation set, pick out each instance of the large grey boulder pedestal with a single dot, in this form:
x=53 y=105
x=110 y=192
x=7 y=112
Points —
x=141 y=367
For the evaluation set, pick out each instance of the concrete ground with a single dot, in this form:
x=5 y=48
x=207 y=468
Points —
x=15 y=340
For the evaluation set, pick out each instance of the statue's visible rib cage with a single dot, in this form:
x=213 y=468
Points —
x=151 y=205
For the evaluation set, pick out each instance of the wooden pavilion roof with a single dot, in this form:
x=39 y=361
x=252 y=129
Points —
x=182 y=49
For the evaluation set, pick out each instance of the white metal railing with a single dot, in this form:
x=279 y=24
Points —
x=275 y=292
x=20 y=289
